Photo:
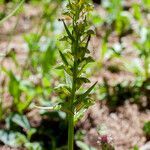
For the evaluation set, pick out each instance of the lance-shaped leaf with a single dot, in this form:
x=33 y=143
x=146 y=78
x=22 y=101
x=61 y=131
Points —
x=67 y=30
x=84 y=95
x=89 y=59
x=58 y=107
x=63 y=67
x=78 y=115
x=55 y=107
x=63 y=94
x=63 y=58
x=85 y=103
x=83 y=63
x=81 y=53
x=63 y=89
x=86 y=60
x=82 y=80
x=59 y=66
x=68 y=79
x=90 y=31
x=64 y=38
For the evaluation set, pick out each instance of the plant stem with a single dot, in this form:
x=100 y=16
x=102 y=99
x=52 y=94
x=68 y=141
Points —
x=71 y=132
x=75 y=47
x=71 y=121
x=146 y=66
x=71 y=117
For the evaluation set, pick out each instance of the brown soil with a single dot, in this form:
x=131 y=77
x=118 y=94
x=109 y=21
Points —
x=124 y=126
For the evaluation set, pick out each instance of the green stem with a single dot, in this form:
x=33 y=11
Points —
x=71 y=121
x=71 y=133
x=146 y=66
x=75 y=44
x=71 y=117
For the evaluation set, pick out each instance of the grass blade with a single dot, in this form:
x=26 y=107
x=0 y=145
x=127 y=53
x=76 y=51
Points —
x=12 y=13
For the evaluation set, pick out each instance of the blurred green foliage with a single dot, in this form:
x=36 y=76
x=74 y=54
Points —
x=34 y=81
x=146 y=129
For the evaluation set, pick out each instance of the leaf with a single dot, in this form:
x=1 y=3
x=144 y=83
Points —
x=67 y=69
x=55 y=107
x=22 y=106
x=68 y=80
x=31 y=132
x=82 y=80
x=66 y=110
x=89 y=37
x=32 y=41
x=82 y=101
x=79 y=115
x=33 y=146
x=84 y=146
x=13 y=139
x=58 y=107
x=135 y=148
x=81 y=52
x=60 y=66
x=63 y=58
x=90 y=31
x=81 y=2
x=12 y=13
x=85 y=103
x=67 y=30
x=89 y=59
x=146 y=128
x=14 y=88
x=20 y=120
x=63 y=91
x=48 y=57
x=65 y=38
x=84 y=95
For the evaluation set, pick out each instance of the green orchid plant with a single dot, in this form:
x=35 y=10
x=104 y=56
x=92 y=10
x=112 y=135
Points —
x=74 y=62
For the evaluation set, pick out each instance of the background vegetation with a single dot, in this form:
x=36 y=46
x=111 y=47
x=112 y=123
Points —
x=30 y=40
